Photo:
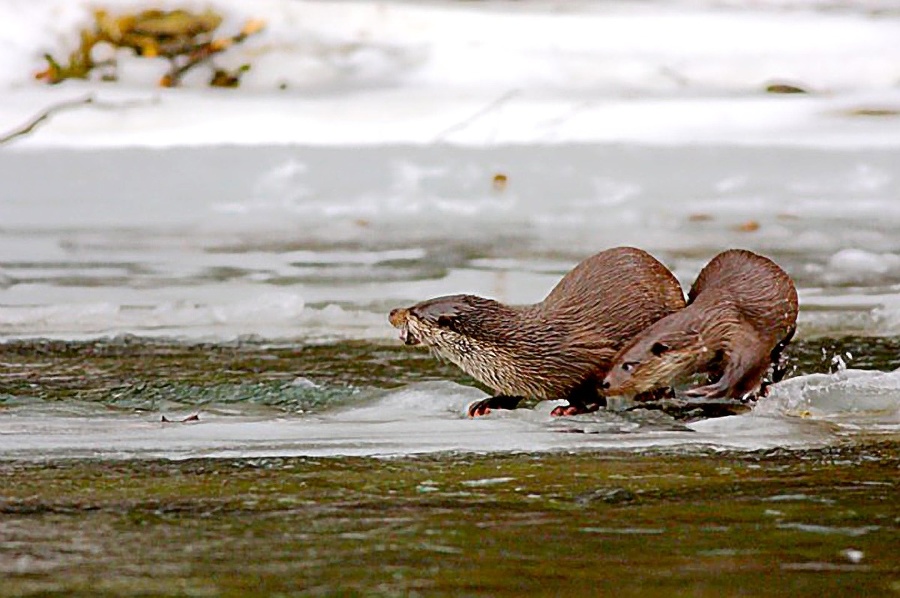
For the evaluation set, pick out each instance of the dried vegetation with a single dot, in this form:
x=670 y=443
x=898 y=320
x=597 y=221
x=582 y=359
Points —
x=185 y=39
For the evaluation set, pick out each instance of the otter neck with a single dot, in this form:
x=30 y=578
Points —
x=533 y=328
x=515 y=352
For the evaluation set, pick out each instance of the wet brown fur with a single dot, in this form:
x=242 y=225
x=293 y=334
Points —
x=742 y=310
x=559 y=348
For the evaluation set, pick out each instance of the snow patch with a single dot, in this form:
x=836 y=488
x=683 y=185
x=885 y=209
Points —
x=336 y=73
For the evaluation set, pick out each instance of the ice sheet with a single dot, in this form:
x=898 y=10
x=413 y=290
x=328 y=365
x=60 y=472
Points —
x=804 y=412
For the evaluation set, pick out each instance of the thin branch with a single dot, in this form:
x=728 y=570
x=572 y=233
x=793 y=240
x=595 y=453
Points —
x=47 y=113
x=68 y=105
x=483 y=111
x=125 y=104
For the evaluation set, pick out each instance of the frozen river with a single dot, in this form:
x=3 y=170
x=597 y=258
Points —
x=318 y=243
x=289 y=246
x=389 y=173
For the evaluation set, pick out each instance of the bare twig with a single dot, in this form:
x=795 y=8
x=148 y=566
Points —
x=47 y=113
x=125 y=104
x=68 y=105
x=203 y=52
x=483 y=111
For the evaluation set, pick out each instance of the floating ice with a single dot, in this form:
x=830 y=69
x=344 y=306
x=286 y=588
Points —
x=423 y=400
x=401 y=424
x=858 y=266
x=858 y=399
x=273 y=316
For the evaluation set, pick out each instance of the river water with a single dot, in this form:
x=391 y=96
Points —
x=200 y=393
x=293 y=255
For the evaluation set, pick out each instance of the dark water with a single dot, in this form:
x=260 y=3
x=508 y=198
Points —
x=99 y=497
x=765 y=523
x=140 y=374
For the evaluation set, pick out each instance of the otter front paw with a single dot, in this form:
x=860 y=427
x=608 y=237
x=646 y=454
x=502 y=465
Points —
x=564 y=410
x=710 y=391
x=484 y=406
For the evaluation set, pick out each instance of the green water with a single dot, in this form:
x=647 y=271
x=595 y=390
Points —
x=133 y=373
x=807 y=523
x=696 y=522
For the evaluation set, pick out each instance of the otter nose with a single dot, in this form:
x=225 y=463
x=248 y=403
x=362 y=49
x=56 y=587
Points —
x=604 y=385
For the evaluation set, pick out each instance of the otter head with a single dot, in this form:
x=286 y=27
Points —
x=450 y=322
x=478 y=335
x=655 y=359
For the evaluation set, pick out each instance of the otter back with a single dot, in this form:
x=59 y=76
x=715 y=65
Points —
x=742 y=311
x=763 y=292
x=609 y=298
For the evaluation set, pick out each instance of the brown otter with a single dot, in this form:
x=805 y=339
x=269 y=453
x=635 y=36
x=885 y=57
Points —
x=741 y=313
x=560 y=348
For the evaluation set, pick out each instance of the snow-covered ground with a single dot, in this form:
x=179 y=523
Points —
x=482 y=73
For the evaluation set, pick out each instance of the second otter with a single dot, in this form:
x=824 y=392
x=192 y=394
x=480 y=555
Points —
x=741 y=313
x=560 y=348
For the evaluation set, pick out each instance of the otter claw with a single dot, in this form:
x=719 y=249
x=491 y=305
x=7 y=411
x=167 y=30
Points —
x=478 y=410
x=484 y=406
x=711 y=391
x=567 y=410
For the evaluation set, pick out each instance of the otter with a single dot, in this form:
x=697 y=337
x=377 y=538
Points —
x=560 y=348
x=741 y=314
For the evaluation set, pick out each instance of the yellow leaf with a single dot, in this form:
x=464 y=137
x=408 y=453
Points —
x=253 y=26
x=747 y=227
x=149 y=49
x=217 y=45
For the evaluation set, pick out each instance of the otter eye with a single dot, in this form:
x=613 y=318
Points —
x=628 y=366
x=445 y=321
x=659 y=348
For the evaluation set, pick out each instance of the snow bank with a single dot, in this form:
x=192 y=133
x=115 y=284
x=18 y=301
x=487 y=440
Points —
x=483 y=73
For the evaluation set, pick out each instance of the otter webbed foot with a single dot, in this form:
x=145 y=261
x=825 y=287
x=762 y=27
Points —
x=577 y=408
x=742 y=376
x=710 y=391
x=725 y=394
x=584 y=399
x=484 y=406
x=779 y=362
x=565 y=410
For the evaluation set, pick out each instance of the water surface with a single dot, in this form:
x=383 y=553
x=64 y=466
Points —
x=241 y=294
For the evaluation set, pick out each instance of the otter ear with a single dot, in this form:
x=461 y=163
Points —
x=659 y=348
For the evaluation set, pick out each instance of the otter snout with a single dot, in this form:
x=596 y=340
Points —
x=617 y=382
x=399 y=318
x=610 y=388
